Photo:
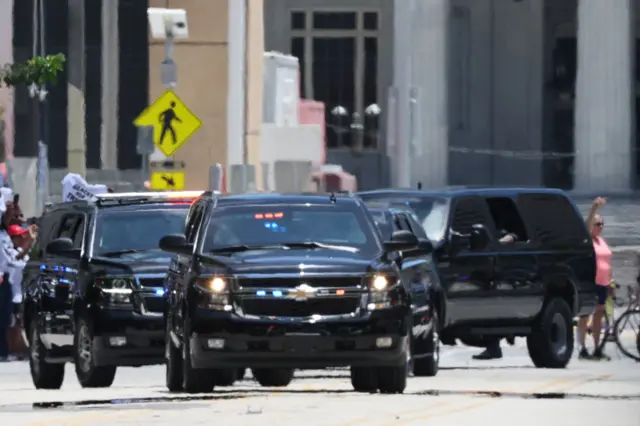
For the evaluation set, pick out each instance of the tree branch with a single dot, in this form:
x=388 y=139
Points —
x=38 y=70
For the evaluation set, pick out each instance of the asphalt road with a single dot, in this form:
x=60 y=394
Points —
x=465 y=392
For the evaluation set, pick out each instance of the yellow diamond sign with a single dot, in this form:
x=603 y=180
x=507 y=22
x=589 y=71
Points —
x=172 y=121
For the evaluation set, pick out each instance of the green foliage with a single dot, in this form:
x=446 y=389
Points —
x=38 y=70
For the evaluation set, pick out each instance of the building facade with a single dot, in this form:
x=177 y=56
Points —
x=488 y=92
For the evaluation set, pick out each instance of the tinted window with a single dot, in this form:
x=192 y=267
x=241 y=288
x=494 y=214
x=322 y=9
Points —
x=136 y=229
x=381 y=219
x=268 y=225
x=553 y=219
x=430 y=212
x=468 y=212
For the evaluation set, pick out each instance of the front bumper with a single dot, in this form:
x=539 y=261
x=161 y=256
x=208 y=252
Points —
x=127 y=338
x=226 y=340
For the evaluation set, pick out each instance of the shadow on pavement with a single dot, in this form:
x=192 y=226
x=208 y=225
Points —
x=525 y=395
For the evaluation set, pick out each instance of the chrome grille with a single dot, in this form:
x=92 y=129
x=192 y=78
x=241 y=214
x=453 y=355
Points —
x=293 y=282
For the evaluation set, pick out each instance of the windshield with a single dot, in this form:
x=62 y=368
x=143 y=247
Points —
x=136 y=229
x=430 y=212
x=256 y=226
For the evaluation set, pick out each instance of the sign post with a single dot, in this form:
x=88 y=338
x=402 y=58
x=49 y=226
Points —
x=168 y=121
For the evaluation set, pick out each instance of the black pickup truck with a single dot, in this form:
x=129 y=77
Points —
x=531 y=284
x=276 y=282
x=94 y=291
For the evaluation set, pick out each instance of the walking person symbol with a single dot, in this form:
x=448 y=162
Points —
x=167 y=117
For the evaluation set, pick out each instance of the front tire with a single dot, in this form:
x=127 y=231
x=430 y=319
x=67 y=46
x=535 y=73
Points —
x=427 y=363
x=43 y=374
x=173 y=363
x=193 y=380
x=392 y=380
x=273 y=377
x=364 y=379
x=551 y=341
x=89 y=375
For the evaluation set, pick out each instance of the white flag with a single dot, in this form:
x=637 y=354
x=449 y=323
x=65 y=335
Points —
x=74 y=187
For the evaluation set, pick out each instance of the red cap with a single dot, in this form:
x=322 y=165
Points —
x=15 y=230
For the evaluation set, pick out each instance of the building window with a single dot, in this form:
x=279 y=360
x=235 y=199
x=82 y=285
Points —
x=370 y=93
x=297 y=50
x=298 y=20
x=370 y=21
x=334 y=61
x=338 y=56
x=335 y=21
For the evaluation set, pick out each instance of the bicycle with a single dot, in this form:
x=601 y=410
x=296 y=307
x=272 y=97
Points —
x=620 y=326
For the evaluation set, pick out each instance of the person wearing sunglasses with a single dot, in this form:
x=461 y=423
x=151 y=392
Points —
x=595 y=224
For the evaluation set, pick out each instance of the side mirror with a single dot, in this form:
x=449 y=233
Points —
x=176 y=243
x=479 y=239
x=62 y=247
x=401 y=241
x=425 y=246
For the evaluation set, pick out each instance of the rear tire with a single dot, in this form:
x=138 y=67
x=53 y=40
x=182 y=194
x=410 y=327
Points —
x=551 y=341
x=43 y=374
x=193 y=380
x=89 y=375
x=273 y=377
x=428 y=365
x=364 y=379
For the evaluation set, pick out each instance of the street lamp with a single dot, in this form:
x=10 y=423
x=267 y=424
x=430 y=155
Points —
x=357 y=127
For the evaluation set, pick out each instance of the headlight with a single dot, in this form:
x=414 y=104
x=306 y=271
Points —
x=119 y=289
x=215 y=285
x=116 y=285
x=379 y=283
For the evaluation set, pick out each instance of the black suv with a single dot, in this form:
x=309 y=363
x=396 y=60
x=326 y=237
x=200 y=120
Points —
x=94 y=292
x=531 y=284
x=277 y=282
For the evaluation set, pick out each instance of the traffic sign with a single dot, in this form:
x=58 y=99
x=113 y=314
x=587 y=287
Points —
x=167 y=175
x=172 y=121
x=167 y=181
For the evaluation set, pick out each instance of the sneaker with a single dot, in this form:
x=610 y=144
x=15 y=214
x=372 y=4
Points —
x=600 y=356
x=584 y=354
x=487 y=355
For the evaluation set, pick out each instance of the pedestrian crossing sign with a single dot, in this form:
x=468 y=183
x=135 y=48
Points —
x=172 y=121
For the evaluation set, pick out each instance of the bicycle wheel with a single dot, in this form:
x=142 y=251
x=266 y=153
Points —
x=627 y=334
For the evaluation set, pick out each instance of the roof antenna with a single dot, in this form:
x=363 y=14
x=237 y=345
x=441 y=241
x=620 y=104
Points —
x=332 y=198
x=419 y=185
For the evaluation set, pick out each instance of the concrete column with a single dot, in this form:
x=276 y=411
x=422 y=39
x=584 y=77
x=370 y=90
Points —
x=76 y=134
x=429 y=68
x=254 y=86
x=603 y=114
x=402 y=59
x=110 y=85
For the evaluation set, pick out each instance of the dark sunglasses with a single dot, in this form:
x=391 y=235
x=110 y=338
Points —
x=599 y=224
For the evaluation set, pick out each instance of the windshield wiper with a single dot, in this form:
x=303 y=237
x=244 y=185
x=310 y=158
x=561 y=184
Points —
x=317 y=245
x=242 y=247
x=118 y=252
x=284 y=246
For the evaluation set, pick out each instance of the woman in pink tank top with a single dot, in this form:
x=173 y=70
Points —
x=603 y=277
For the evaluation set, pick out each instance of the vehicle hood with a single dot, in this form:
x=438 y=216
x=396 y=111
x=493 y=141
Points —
x=292 y=261
x=146 y=262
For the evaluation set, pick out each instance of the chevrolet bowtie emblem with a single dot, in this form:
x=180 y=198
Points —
x=302 y=292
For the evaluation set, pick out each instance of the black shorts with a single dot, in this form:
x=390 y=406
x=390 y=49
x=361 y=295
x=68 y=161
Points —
x=602 y=293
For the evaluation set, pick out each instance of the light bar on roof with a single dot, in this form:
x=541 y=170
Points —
x=150 y=195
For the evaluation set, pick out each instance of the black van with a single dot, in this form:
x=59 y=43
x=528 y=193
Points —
x=531 y=286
